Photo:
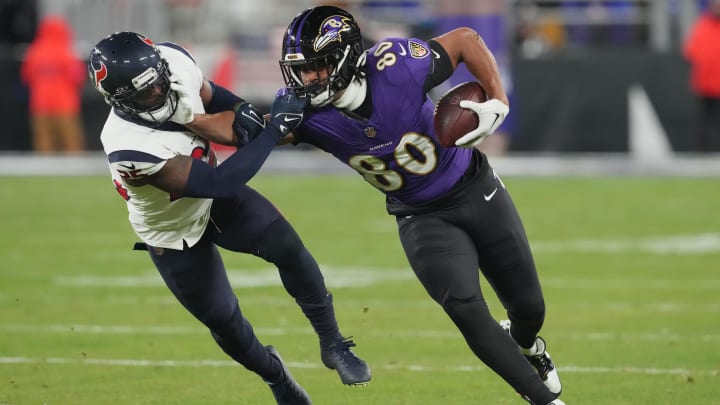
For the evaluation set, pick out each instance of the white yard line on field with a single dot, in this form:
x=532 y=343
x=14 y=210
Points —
x=337 y=277
x=306 y=365
x=702 y=243
x=343 y=277
x=423 y=334
x=356 y=278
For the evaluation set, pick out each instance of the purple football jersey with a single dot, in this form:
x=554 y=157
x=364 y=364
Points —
x=396 y=150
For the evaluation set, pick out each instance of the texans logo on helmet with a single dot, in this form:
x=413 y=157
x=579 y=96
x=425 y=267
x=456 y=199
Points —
x=99 y=74
x=331 y=30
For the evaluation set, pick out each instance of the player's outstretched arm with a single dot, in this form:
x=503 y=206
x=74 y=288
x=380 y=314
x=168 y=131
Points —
x=183 y=175
x=229 y=119
x=216 y=128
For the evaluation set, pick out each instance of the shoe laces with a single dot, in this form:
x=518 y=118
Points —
x=343 y=346
x=543 y=364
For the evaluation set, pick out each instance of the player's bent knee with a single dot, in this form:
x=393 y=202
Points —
x=279 y=241
x=528 y=313
x=466 y=310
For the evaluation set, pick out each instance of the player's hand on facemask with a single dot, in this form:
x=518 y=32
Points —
x=248 y=123
x=490 y=114
x=183 y=112
x=286 y=112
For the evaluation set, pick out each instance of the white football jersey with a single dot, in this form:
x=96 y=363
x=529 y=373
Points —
x=133 y=151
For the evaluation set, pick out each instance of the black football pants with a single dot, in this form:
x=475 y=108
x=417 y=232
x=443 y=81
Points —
x=481 y=228
x=196 y=276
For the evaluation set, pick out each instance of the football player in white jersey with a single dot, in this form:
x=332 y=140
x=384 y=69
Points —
x=182 y=206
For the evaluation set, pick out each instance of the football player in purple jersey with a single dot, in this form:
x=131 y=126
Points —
x=183 y=206
x=370 y=109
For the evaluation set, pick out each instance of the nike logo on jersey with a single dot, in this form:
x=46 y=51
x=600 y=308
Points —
x=129 y=167
x=255 y=117
x=489 y=197
x=402 y=52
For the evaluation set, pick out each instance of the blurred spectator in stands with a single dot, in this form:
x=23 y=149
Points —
x=538 y=35
x=182 y=20
x=702 y=50
x=54 y=75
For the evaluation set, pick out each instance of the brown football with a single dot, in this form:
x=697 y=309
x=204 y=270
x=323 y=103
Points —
x=450 y=120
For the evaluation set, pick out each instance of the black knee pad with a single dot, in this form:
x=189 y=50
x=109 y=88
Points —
x=279 y=243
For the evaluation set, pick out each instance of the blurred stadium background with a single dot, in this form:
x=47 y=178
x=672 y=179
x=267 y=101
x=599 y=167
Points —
x=584 y=77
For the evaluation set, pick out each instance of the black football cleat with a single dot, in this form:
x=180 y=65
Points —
x=339 y=357
x=545 y=367
x=542 y=362
x=286 y=390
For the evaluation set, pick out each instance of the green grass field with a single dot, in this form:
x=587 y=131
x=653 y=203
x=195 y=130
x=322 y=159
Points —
x=630 y=267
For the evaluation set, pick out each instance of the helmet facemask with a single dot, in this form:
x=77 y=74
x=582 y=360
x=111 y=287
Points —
x=339 y=74
x=150 y=97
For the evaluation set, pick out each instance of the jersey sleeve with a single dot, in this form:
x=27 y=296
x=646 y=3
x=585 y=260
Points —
x=135 y=164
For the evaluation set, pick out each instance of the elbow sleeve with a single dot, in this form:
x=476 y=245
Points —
x=222 y=100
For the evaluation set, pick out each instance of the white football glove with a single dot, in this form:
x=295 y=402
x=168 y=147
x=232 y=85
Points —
x=490 y=114
x=183 y=113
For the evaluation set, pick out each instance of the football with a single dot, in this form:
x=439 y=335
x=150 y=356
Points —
x=450 y=120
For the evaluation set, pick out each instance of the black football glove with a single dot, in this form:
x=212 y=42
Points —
x=286 y=112
x=248 y=123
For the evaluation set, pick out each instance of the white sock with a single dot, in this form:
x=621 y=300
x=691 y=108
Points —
x=530 y=351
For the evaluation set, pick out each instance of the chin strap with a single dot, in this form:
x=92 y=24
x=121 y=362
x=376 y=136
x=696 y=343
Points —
x=164 y=113
x=353 y=96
